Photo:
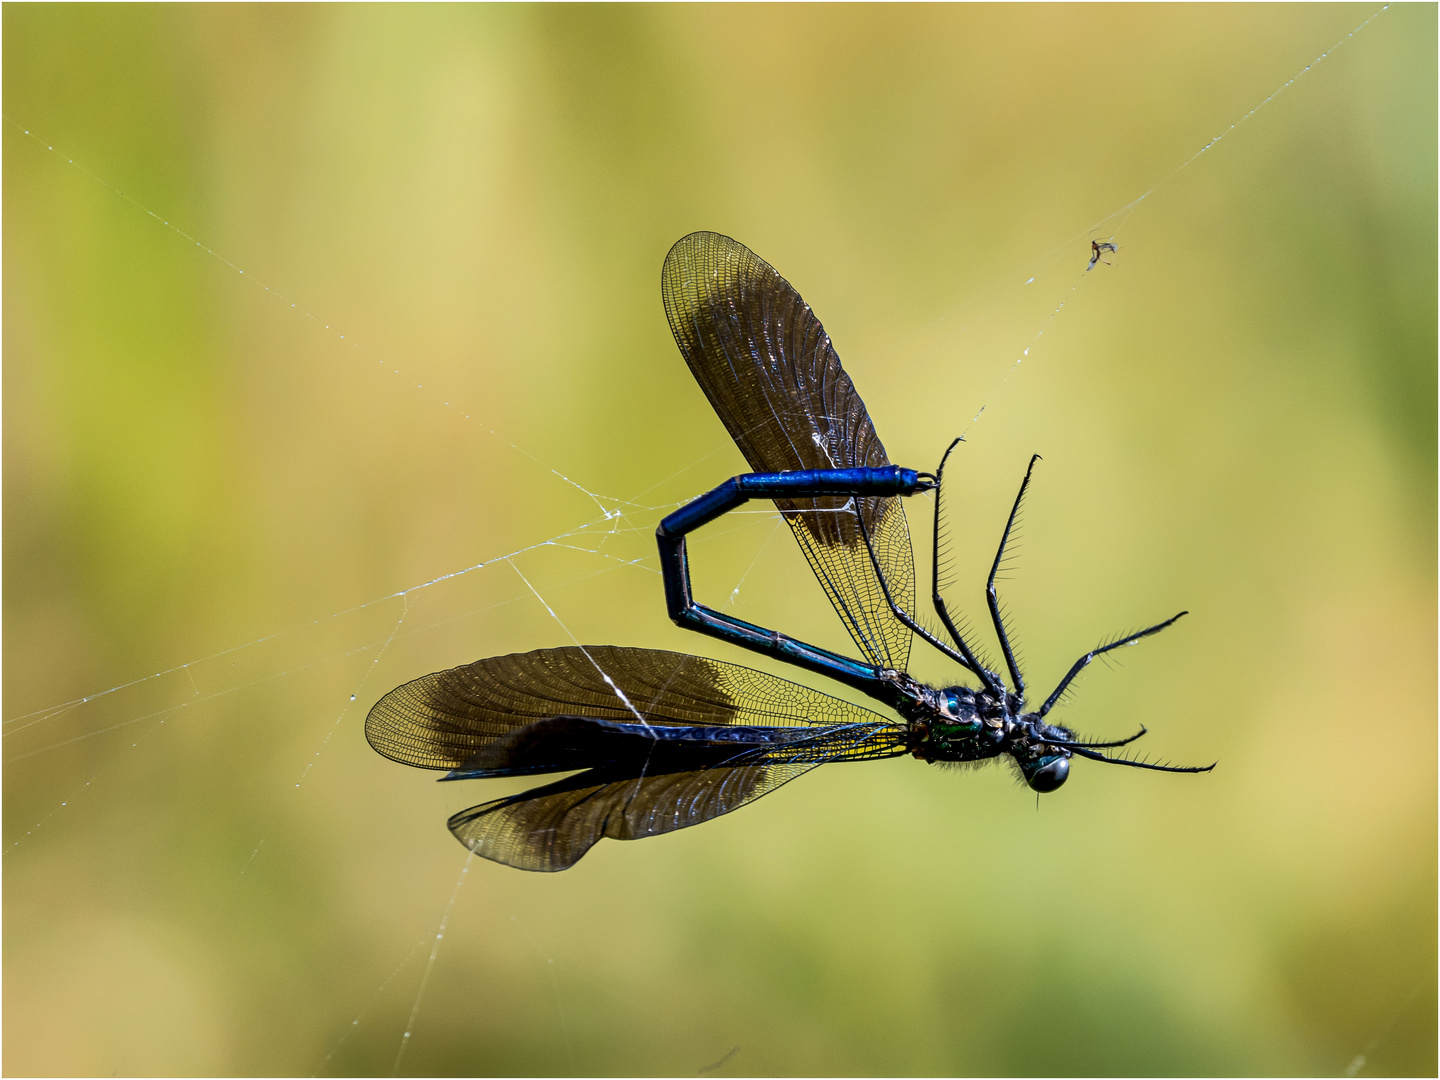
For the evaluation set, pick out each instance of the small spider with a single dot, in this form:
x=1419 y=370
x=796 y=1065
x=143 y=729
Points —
x=1098 y=248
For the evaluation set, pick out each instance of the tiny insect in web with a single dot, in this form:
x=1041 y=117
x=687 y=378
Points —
x=1098 y=248
x=665 y=740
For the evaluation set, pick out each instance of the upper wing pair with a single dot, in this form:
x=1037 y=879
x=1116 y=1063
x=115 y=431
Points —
x=770 y=372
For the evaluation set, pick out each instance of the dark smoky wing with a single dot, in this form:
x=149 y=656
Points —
x=773 y=377
x=474 y=712
x=681 y=782
x=764 y=360
x=551 y=827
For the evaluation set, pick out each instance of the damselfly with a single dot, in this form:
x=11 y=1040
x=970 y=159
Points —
x=665 y=740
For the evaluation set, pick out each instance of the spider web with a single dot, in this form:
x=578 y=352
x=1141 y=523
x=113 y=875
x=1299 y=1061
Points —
x=604 y=536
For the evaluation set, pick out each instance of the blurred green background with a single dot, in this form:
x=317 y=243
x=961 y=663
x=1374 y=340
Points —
x=447 y=337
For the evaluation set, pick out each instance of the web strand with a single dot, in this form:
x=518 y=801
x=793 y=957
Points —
x=600 y=501
x=1122 y=216
x=430 y=965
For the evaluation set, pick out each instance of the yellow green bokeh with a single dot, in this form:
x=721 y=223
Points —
x=306 y=306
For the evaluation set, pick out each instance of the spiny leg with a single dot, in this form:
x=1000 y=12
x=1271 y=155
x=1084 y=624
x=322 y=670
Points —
x=994 y=601
x=964 y=660
x=1075 y=744
x=1093 y=756
x=1084 y=661
x=988 y=677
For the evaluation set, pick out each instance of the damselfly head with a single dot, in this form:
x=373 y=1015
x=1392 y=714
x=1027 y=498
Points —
x=1044 y=765
x=1046 y=773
